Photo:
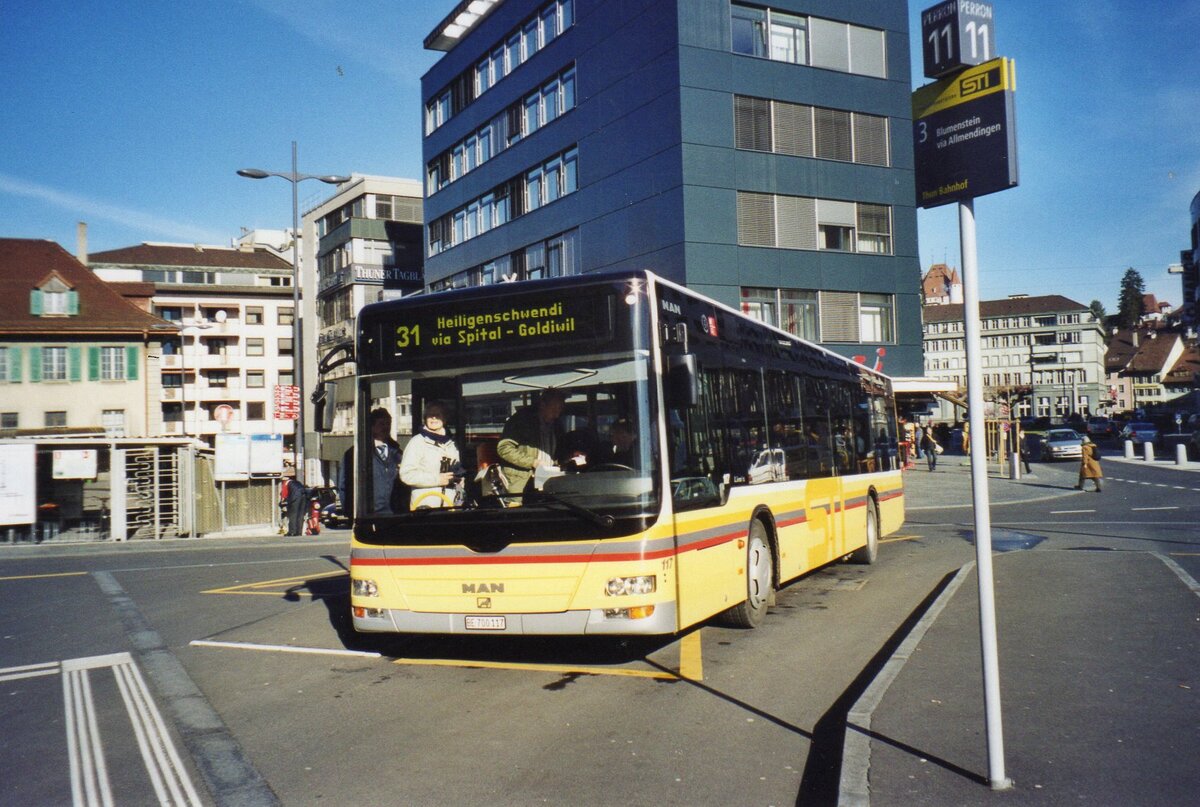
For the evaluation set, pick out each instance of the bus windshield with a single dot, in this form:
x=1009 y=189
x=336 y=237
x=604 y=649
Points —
x=564 y=446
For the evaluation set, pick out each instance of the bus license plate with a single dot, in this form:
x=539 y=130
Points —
x=485 y=623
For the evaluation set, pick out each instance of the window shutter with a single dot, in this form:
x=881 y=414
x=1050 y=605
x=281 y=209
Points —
x=93 y=364
x=35 y=302
x=73 y=303
x=14 y=364
x=833 y=134
x=839 y=316
x=756 y=219
x=74 y=363
x=797 y=222
x=752 y=123
x=870 y=139
x=35 y=364
x=793 y=129
x=131 y=362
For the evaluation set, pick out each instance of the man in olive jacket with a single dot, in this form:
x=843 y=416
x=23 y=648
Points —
x=531 y=437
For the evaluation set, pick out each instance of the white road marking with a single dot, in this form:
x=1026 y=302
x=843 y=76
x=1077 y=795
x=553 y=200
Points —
x=1139 y=509
x=29 y=671
x=1068 y=512
x=89 y=773
x=158 y=752
x=283 y=648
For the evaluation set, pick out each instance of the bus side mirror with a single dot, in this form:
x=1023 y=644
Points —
x=324 y=399
x=683 y=381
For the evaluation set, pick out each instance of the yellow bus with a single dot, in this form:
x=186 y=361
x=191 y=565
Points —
x=690 y=460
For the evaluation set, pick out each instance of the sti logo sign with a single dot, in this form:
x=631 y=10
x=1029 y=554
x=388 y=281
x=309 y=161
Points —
x=964 y=134
x=956 y=34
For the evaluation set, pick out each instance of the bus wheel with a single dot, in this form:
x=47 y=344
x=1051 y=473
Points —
x=759 y=580
x=870 y=552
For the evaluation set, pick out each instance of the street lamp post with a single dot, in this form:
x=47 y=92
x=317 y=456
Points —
x=297 y=329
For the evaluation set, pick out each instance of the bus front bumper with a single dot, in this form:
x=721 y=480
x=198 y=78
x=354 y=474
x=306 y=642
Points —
x=566 y=623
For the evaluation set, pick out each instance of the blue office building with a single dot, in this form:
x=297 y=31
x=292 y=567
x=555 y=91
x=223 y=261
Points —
x=760 y=154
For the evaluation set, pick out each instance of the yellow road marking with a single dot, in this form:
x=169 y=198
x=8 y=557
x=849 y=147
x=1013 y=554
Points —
x=42 y=576
x=288 y=582
x=691 y=658
x=691 y=666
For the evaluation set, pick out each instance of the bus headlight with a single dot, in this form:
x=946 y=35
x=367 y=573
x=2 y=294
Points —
x=364 y=588
x=619 y=586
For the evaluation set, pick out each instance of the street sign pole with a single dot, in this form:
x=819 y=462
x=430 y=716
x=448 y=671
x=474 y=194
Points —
x=964 y=138
x=981 y=499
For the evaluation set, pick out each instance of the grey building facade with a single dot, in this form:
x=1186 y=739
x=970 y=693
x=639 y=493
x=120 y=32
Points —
x=759 y=154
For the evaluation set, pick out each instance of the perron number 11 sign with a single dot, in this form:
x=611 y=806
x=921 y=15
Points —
x=964 y=134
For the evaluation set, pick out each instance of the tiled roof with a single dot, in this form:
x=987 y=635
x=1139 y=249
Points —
x=1012 y=307
x=1152 y=354
x=26 y=263
x=183 y=256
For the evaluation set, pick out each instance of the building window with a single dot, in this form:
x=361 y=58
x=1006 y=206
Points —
x=171 y=313
x=55 y=419
x=505 y=56
x=255 y=379
x=112 y=364
x=256 y=410
x=801 y=130
x=172 y=380
x=799 y=314
x=9 y=420
x=218 y=378
x=824 y=316
x=4 y=371
x=875 y=318
x=113 y=421
x=54 y=364
x=811 y=41
x=285 y=378
x=285 y=315
x=285 y=347
x=535 y=188
x=796 y=222
x=254 y=315
x=255 y=347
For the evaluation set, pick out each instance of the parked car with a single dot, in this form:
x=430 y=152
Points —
x=1101 y=427
x=1139 y=432
x=1062 y=444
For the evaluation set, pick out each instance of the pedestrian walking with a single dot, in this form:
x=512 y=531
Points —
x=930 y=447
x=1023 y=451
x=1089 y=465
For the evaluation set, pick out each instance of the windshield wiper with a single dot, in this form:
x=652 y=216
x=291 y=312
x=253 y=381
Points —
x=599 y=519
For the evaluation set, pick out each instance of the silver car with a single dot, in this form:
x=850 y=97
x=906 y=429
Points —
x=1062 y=444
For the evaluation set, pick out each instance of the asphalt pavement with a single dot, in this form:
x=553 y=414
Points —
x=1099 y=653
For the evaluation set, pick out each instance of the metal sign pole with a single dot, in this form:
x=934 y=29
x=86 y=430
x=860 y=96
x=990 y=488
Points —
x=979 y=492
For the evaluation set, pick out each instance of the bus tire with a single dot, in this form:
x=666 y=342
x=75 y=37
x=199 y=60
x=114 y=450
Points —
x=870 y=552
x=760 y=580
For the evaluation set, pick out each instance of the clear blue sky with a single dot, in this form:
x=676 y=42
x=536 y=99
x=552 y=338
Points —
x=135 y=116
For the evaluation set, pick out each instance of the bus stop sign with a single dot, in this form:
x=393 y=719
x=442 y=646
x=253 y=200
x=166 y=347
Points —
x=964 y=134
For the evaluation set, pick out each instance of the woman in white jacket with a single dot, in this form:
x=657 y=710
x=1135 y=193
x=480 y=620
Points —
x=430 y=461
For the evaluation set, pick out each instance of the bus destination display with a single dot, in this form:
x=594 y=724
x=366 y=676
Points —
x=490 y=326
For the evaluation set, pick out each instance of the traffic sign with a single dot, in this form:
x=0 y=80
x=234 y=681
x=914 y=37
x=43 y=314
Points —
x=964 y=134
x=287 y=402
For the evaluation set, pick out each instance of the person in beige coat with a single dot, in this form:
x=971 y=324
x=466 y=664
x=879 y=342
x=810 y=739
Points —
x=1089 y=465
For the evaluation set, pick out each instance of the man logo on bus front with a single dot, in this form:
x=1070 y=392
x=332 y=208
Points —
x=483 y=602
